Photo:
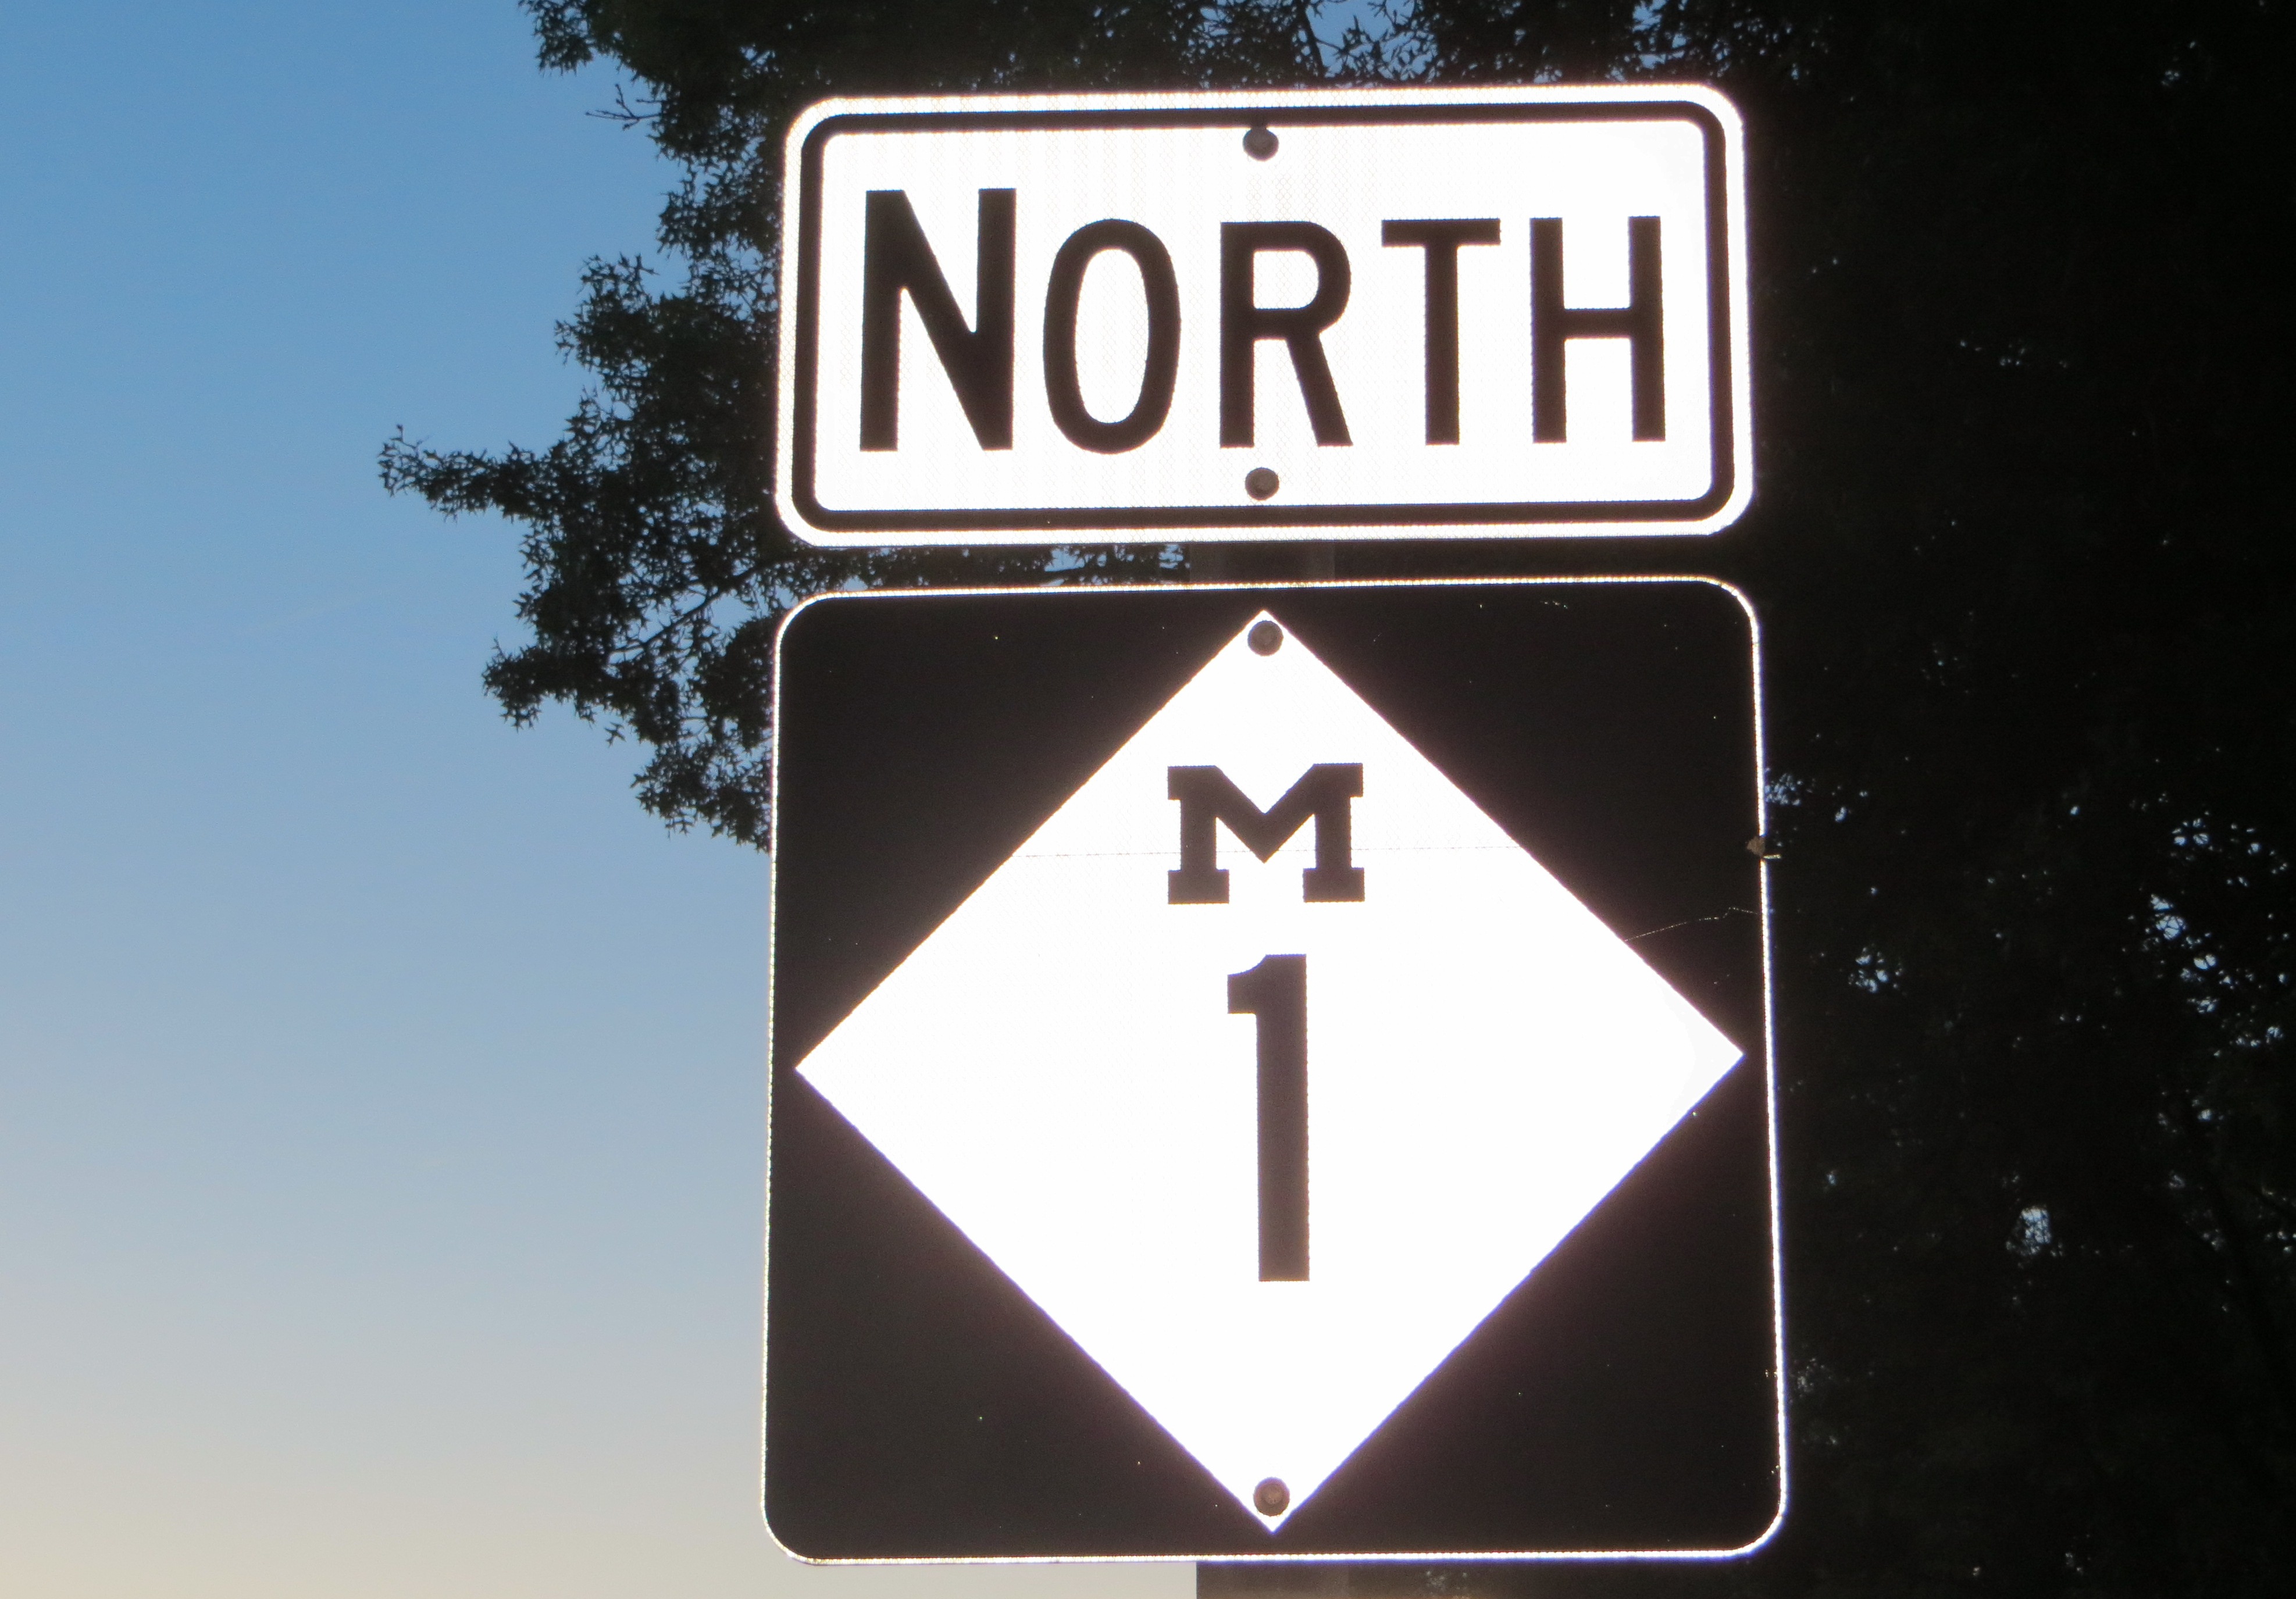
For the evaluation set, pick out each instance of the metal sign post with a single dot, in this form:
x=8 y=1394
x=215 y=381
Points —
x=1270 y=1074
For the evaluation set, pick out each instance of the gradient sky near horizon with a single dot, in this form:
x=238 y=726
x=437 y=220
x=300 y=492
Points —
x=381 y=1089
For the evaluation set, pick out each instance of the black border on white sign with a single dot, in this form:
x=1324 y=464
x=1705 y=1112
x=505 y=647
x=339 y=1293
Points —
x=1725 y=497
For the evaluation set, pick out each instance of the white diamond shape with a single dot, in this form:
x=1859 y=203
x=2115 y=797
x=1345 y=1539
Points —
x=1055 y=1068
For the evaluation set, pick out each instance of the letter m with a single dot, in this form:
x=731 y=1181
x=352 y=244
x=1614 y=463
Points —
x=895 y=259
x=1207 y=798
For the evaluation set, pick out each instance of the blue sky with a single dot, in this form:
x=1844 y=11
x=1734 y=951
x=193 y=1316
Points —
x=379 y=1088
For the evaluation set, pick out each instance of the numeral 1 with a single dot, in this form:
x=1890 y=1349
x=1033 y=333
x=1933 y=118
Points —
x=1275 y=992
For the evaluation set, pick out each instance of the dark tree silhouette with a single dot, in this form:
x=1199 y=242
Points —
x=2023 y=327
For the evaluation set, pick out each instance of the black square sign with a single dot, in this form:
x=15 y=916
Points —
x=1273 y=1071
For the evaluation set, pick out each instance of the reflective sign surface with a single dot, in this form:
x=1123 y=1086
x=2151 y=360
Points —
x=1332 y=314
x=1074 y=1067
x=1193 y=1057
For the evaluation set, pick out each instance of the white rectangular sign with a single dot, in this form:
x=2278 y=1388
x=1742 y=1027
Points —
x=1358 y=314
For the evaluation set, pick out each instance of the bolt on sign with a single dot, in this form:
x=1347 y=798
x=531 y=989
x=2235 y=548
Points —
x=1272 y=1072
x=1343 y=314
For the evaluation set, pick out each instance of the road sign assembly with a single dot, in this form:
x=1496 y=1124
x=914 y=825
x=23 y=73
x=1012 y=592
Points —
x=1272 y=1072
x=1338 y=314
